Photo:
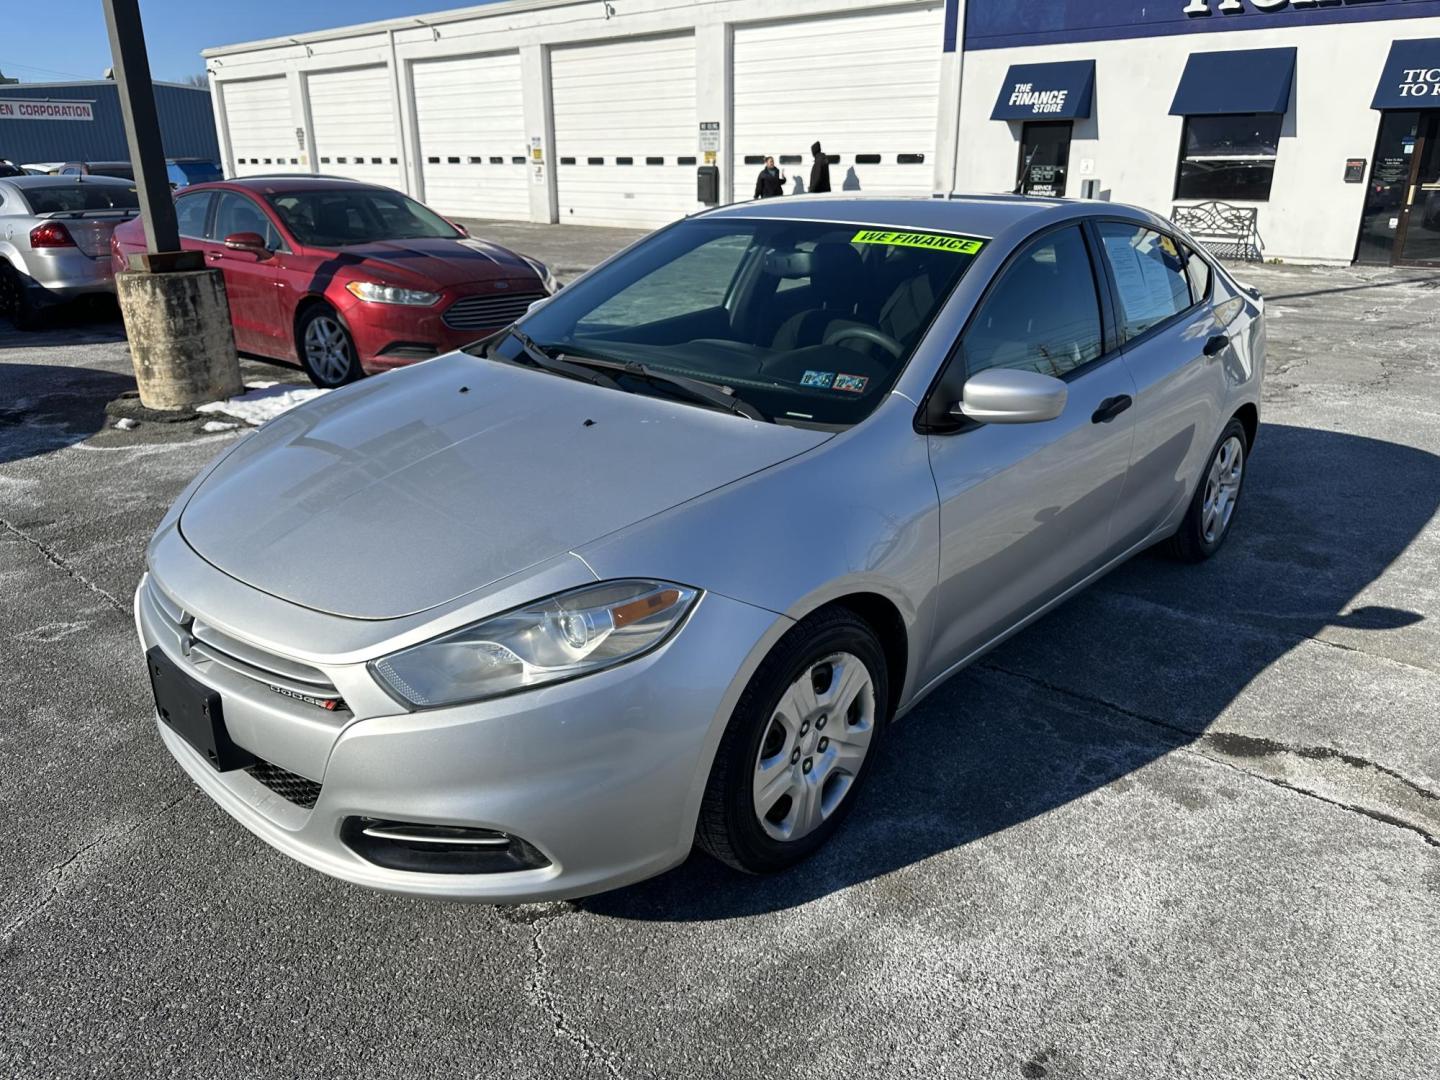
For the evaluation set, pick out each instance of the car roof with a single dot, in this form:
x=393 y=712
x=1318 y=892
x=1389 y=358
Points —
x=92 y=164
x=986 y=216
x=55 y=180
x=276 y=183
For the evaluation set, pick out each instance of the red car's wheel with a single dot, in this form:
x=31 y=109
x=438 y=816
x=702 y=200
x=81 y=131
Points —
x=327 y=352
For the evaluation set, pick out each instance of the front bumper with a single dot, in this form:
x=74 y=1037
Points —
x=392 y=335
x=603 y=775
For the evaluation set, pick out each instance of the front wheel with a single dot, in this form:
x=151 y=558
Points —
x=798 y=745
x=327 y=352
x=1212 y=510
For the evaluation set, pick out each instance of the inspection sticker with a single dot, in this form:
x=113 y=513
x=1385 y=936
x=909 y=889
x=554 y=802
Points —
x=855 y=384
x=821 y=379
x=960 y=245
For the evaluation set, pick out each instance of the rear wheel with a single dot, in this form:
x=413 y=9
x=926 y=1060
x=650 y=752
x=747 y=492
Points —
x=798 y=746
x=15 y=302
x=1212 y=510
x=327 y=352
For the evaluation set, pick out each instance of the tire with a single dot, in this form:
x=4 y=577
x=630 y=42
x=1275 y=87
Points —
x=1207 y=523
x=15 y=302
x=813 y=760
x=326 y=349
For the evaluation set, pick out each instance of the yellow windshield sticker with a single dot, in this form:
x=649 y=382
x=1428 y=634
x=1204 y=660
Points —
x=960 y=245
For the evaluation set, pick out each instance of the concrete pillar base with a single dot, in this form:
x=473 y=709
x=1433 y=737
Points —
x=181 y=340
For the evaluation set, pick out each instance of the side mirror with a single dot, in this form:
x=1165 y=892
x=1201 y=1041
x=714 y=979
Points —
x=1010 y=396
x=248 y=241
x=461 y=229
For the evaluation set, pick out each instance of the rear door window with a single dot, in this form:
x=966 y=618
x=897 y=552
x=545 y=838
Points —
x=1043 y=314
x=1198 y=271
x=1149 y=275
x=190 y=213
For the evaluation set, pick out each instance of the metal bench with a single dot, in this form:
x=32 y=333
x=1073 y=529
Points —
x=1229 y=232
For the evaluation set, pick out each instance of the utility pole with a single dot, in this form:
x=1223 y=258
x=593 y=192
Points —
x=177 y=317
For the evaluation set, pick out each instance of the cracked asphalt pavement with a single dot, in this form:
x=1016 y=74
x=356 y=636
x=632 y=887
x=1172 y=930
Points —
x=1186 y=826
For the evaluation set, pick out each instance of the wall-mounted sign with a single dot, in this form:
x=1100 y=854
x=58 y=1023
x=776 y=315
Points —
x=300 y=137
x=1060 y=90
x=26 y=109
x=1355 y=170
x=710 y=137
x=1239 y=7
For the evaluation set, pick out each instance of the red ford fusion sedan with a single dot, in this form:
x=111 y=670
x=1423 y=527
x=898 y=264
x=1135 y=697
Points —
x=345 y=278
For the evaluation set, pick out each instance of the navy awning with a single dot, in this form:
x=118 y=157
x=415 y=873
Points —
x=1225 y=83
x=1411 y=79
x=1058 y=91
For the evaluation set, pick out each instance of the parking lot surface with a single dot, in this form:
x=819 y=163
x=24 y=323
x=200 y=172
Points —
x=1186 y=826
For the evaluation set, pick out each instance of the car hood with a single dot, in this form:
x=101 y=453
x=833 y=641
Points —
x=446 y=262
x=405 y=491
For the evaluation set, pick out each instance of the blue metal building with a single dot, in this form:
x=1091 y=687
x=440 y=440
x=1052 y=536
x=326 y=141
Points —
x=81 y=121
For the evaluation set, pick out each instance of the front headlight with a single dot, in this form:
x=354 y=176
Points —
x=559 y=638
x=376 y=293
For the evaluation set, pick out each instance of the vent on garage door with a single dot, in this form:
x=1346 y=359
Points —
x=628 y=101
x=864 y=84
x=470 y=116
x=354 y=120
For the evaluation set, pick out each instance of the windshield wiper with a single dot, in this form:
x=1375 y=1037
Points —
x=699 y=390
x=542 y=359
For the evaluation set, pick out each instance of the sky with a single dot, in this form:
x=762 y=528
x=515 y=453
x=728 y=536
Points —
x=68 y=41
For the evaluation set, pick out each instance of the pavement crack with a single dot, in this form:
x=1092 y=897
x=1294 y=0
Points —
x=1336 y=777
x=55 y=559
x=541 y=993
x=55 y=875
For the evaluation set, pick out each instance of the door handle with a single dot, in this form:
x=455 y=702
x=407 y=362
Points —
x=1217 y=344
x=215 y=256
x=1110 y=408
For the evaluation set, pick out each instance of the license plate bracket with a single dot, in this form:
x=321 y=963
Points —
x=192 y=710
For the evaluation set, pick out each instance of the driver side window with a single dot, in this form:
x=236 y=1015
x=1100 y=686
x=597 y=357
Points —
x=1044 y=313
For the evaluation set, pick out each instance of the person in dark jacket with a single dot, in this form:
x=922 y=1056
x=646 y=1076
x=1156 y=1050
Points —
x=820 y=171
x=770 y=182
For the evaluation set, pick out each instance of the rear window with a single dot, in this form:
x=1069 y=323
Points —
x=123 y=172
x=196 y=172
x=63 y=198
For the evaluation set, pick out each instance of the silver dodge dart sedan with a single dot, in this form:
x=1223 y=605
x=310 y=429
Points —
x=659 y=564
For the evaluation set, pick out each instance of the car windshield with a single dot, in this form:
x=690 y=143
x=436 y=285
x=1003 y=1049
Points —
x=118 y=170
x=78 y=196
x=811 y=322
x=357 y=216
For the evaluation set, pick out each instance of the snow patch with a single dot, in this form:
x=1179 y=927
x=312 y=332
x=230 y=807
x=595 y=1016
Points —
x=217 y=425
x=262 y=401
x=126 y=423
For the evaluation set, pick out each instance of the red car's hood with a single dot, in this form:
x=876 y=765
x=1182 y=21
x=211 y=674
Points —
x=445 y=262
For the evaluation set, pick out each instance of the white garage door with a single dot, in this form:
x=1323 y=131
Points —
x=865 y=85
x=625 y=131
x=354 y=123
x=262 y=131
x=471 y=119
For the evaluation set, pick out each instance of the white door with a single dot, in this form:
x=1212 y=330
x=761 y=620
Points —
x=625 y=131
x=471 y=119
x=353 y=116
x=262 y=131
x=865 y=85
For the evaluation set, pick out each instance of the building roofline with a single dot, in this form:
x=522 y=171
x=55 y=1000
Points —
x=407 y=22
x=8 y=87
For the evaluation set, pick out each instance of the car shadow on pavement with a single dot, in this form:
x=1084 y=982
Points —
x=1140 y=665
x=83 y=322
x=47 y=407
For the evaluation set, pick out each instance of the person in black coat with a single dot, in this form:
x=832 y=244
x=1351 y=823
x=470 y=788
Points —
x=820 y=171
x=770 y=182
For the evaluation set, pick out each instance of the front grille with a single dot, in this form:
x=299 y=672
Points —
x=286 y=784
x=280 y=674
x=489 y=312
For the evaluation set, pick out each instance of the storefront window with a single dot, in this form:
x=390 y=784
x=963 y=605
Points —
x=1228 y=157
x=1044 y=158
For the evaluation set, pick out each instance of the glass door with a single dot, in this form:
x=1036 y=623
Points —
x=1044 y=158
x=1389 y=182
x=1419 y=242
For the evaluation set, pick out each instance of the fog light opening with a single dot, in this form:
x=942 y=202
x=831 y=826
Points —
x=424 y=848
